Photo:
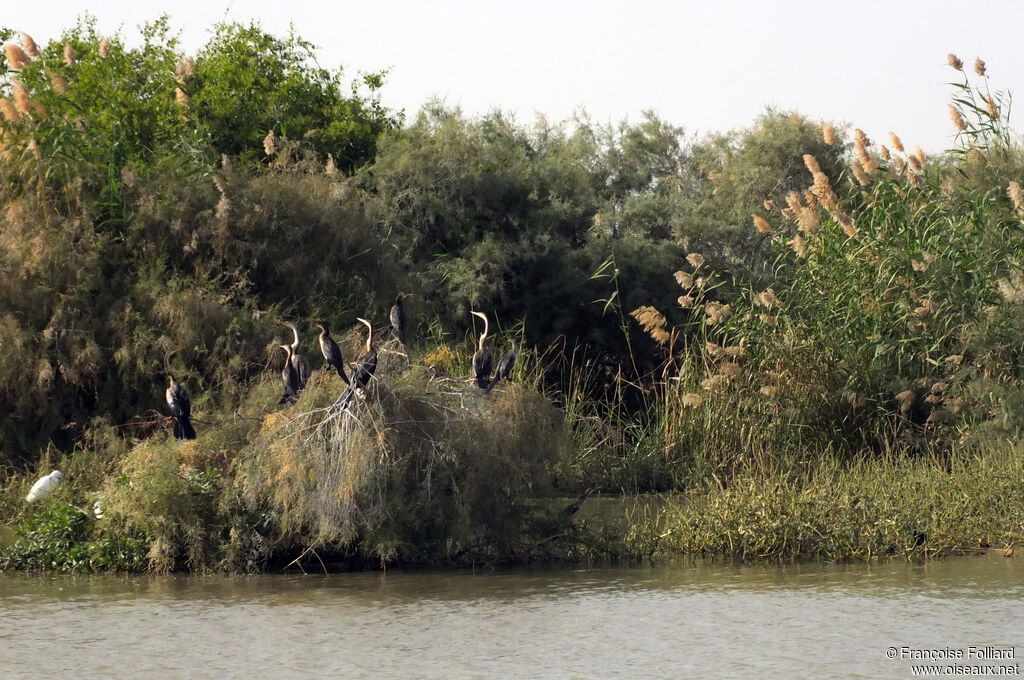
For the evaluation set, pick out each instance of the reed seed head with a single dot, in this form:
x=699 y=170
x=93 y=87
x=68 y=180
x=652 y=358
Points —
x=767 y=298
x=30 y=45
x=954 y=61
x=858 y=172
x=60 y=86
x=715 y=382
x=653 y=323
x=906 y=400
x=990 y=104
x=828 y=134
x=16 y=57
x=979 y=66
x=10 y=113
x=793 y=200
x=691 y=400
x=812 y=164
x=798 y=245
x=22 y=102
x=104 y=48
x=685 y=301
x=812 y=202
x=69 y=54
x=330 y=168
x=695 y=260
x=269 y=145
x=761 y=224
x=957 y=118
x=919 y=155
x=180 y=97
x=769 y=205
x=808 y=220
x=1014 y=190
x=884 y=151
x=914 y=162
x=731 y=369
x=684 y=280
x=717 y=312
x=896 y=142
x=846 y=222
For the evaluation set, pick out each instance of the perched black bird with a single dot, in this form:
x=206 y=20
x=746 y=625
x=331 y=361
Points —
x=398 y=317
x=482 y=359
x=181 y=404
x=505 y=365
x=573 y=509
x=300 y=363
x=364 y=369
x=290 y=377
x=331 y=351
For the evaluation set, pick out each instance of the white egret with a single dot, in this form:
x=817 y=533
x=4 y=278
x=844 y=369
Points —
x=45 y=486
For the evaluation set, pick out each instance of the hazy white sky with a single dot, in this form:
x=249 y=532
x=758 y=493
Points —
x=705 y=66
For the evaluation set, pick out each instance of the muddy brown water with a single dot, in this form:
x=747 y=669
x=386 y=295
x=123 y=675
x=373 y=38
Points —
x=685 y=621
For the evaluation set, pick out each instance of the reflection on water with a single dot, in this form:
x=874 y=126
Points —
x=684 y=621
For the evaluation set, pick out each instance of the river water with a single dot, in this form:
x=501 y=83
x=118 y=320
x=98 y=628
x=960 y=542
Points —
x=687 y=621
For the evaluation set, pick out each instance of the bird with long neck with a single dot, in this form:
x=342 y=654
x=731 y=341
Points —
x=364 y=369
x=573 y=509
x=290 y=377
x=482 y=359
x=329 y=348
x=180 y=402
x=298 y=361
x=505 y=365
x=398 y=317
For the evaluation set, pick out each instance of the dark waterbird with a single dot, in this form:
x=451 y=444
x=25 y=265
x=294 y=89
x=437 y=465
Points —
x=180 y=402
x=505 y=365
x=482 y=359
x=298 y=361
x=398 y=317
x=290 y=377
x=570 y=511
x=364 y=369
x=329 y=348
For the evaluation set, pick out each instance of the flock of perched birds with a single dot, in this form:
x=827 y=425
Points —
x=297 y=371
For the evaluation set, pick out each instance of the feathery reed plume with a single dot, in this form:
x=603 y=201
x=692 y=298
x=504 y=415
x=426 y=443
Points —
x=735 y=351
x=898 y=164
x=798 y=246
x=730 y=369
x=34 y=148
x=828 y=134
x=684 y=280
x=919 y=155
x=861 y=139
x=16 y=57
x=69 y=54
x=218 y=182
x=808 y=220
x=22 y=102
x=33 y=50
x=712 y=349
x=793 y=200
x=10 y=113
x=330 y=169
x=190 y=67
x=268 y=143
x=761 y=224
x=861 y=143
x=770 y=390
x=179 y=72
x=958 y=120
x=812 y=164
x=225 y=162
x=990 y=104
x=180 y=97
x=653 y=323
x=691 y=400
x=685 y=301
x=715 y=382
x=884 y=152
x=788 y=213
x=822 y=189
x=846 y=223
x=918 y=265
x=695 y=260
x=812 y=202
x=223 y=207
x=905 y=400
x=60 y=86
x=954 y=61
x=896 y=142
x=769 y=205
x=767 y=298
x=128 y=176
x=717 y=312
x=914 y=162
x=979 y=66
x=104 y=48
x=1012 y=288
x=858 y=172
x=1016 y=195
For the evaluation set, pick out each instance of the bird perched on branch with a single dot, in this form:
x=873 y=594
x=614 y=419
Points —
x=505 y=365
x=44 y=486
x=364 y=369
x=329 y=348
x=180 y=403
x=398 y=317
x=573 y=509
x=290 y=378
x=482 y=359
x=299 y=362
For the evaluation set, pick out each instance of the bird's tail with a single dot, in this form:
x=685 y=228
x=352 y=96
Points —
x=341 y=374
x=187 y=431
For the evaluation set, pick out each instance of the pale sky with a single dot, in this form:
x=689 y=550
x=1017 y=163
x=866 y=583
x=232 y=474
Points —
x=707 y=66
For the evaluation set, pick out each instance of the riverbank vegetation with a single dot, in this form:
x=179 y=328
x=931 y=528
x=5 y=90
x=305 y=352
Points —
x=810 y=346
